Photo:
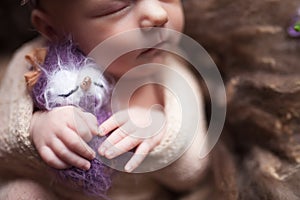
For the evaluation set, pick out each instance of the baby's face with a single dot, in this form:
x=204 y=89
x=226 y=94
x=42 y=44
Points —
x=92 y=21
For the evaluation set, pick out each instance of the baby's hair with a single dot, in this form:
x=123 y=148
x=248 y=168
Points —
x=31 y=3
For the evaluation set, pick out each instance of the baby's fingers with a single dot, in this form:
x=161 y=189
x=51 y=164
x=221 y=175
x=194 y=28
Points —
x=76 y=144
x=113 y=139
x=112 y=123
x=138 y=157
x=82 y=129
x=90 y=120
x=51 y=159
x=68 y=156
x=121 y=147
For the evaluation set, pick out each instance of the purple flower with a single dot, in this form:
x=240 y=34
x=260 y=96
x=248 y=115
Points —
x=294 y=28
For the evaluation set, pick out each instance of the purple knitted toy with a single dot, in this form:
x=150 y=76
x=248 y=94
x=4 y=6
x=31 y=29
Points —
x=69 y=78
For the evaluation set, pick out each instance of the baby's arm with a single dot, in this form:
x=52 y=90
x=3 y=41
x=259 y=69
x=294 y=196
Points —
x=59 y=136
x=188 y=169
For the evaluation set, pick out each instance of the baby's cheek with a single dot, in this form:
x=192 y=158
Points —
x=176 y=18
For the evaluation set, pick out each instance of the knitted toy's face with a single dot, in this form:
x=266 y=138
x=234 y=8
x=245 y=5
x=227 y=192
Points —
x=82 y=87
x=70 y=78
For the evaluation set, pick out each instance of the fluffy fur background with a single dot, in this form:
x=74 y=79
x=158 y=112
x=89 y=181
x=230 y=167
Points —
x=259 y=155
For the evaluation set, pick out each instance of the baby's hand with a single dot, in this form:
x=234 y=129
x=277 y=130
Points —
x=59 y=136
x=132 y=128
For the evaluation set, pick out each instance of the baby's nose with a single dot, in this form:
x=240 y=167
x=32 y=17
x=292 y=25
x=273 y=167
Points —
x=86 y=83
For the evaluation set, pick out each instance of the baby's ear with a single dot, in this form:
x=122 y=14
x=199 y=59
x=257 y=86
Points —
x=41 y=21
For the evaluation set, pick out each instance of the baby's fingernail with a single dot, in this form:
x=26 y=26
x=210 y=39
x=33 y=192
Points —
x=102 y=150
x=101 y=131
x=109 y=154
x=91 y=152
x=128 y=168
x=93 y=155
x=87 y=166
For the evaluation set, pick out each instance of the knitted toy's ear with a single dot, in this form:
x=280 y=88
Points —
x=35 y=58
